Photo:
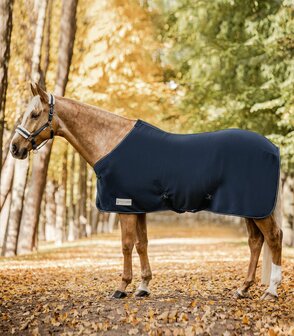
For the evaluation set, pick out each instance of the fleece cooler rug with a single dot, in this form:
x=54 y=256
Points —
x=233 y=172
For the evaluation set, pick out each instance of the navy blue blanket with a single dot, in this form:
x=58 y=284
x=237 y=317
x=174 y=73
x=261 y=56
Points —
x=233 y=172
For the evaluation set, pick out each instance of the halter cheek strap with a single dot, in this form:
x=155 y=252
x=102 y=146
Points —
x=31 y=136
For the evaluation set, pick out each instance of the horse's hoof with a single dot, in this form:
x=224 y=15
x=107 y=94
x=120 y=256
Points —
x=119 y=294
x=142 y=293
x=269 y=296
x=239 y=294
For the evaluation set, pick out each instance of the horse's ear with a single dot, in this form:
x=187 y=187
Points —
x=43 y=95
x=33 y=89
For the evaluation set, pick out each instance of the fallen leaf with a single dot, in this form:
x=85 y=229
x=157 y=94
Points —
x=245 y=319
x=271 y=332
x=133 y=331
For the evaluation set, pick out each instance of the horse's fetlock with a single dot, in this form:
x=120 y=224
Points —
x=147 y=276
x=127 y=280
x=248 y=284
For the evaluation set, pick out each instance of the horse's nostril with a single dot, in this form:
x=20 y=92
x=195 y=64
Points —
x=14 y=149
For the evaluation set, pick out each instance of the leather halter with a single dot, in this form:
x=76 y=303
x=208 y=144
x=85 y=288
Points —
x=32 y=136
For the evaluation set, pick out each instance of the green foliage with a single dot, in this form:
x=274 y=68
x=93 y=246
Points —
x=233 y=62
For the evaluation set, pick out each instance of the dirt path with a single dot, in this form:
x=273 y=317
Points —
x=66 y=291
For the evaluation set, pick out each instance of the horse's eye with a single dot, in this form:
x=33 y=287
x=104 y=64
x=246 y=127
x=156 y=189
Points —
x=35 y=115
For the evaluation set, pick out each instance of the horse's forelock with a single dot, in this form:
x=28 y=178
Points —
x=35 y=102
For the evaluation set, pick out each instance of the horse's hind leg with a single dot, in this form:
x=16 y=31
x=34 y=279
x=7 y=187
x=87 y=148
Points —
x=141 y=246
x=255 y=241
x=273 y=235
x=128 y=236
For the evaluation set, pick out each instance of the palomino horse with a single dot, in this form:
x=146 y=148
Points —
x=94 y=133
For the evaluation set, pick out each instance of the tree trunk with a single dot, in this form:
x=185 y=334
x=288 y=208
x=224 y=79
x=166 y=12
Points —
x=288 y=210
x=106 y=223
x=21 y=166
x=73 y=226
x=112 y=221
x=4 y=215
x=6 y=179
x=66 y=43
x=83 y=197
x=89 y=201
x=19 y=184
x=5 y=148
x=36 y=58
x=51 y=189
x=61 y=204
x=32 y=205
x=103 y=223
x=42 y=221
x=40 y=164
x=31 y=213
x=46 y=42
x=94 y=219
x=5 y=37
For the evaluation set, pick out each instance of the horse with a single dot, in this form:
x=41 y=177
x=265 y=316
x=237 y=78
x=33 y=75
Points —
x=94 y=132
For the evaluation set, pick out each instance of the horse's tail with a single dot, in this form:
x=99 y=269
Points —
x=267 y=255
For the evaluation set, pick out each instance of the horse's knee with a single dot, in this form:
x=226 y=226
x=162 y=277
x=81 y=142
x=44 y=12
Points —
x=127 y=247
x=256 y=242
x=141 y=247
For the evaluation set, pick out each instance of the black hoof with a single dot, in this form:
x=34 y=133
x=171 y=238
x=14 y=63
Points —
x=119 y=295
x=239 y=294
x=142 y=293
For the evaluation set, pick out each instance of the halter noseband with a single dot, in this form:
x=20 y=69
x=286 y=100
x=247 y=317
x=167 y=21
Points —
x=31 y=136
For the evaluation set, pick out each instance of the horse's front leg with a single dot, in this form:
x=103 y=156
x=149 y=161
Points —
x=128 y=237
x=141 y=247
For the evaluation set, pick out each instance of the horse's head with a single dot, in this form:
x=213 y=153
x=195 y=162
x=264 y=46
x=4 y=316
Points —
x=37 y=126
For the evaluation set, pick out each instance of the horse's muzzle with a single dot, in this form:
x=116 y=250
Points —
x=18 y=153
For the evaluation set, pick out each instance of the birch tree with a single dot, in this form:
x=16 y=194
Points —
x=73 y=224
x=40 y=164
x=15 y=211
x=5 y=37
x=83 y=197
x=29 y=217
x=21 y=166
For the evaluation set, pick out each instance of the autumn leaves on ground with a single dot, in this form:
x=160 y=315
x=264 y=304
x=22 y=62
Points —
x=66 y=291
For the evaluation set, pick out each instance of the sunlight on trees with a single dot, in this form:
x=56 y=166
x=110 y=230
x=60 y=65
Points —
x=183 y=65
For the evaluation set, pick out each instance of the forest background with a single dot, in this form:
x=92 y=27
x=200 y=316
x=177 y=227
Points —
x=183 y=65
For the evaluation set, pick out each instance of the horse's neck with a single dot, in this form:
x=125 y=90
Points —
x=93 y=132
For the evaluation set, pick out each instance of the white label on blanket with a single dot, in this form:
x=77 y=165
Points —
x=123 y=201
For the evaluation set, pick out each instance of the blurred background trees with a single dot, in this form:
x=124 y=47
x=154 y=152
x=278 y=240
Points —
x=233 y=61
x=186 y=66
